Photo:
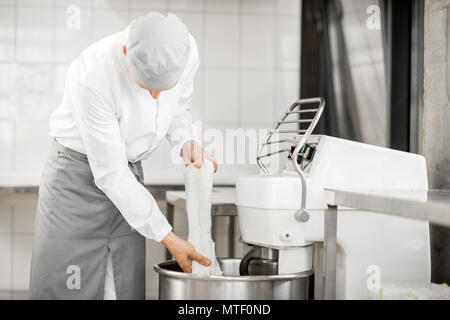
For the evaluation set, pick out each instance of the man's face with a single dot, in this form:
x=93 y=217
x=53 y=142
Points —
x=154 y=93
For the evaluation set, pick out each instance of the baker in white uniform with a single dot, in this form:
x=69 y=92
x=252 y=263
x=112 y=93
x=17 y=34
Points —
x=123 y=95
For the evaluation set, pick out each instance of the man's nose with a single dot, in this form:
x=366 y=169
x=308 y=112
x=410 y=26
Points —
x=155 y=93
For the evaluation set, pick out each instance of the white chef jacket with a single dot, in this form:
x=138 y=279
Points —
x=111 y=119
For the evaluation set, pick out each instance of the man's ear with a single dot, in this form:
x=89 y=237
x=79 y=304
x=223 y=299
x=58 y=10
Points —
x=124 y=49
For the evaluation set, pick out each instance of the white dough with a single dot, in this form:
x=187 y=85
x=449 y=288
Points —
x=198 y=183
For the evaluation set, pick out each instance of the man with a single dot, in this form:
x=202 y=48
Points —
x=123 y=95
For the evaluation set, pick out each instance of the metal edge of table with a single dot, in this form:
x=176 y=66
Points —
x=433 y=211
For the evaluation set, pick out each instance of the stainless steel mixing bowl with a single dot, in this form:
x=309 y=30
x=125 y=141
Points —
x=175 y=284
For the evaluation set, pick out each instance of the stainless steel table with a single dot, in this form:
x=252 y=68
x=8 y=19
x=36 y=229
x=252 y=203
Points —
x=432 y=206
x=222 y=204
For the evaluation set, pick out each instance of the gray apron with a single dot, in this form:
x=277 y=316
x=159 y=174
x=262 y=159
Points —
x=76 y=225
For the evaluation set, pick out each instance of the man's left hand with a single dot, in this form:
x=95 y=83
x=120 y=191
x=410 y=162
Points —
x=193 y=153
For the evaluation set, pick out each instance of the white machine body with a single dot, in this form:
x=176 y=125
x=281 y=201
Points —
x=371 y=246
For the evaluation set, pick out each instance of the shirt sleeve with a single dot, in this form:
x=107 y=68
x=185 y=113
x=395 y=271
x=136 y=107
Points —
x=99 y=129
x=181 y=128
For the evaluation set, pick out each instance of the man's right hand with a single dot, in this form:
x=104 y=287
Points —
x=183 y=252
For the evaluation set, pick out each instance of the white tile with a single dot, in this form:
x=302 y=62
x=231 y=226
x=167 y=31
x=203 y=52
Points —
x=140 y=12
x=68 y=3
x=287 y=91
x=5 y=219
x=257 y=97
x=31 y=96
x=6 y=87
x=108 y=22
x=194 y=23
x=22 y=247
x=111 y=4
x=258 y=42
x=289 y=7
x=232 y=146
x=185 y=5
x=259 y=6
x=24 y=212
x=288 y=42
x=213 y=138
x=147 y=6
x=34 y=2
x=222 y=40
x=221 y=102
x=6 y=145
x=221 y=141
x=7 y=33
x=34 y=34
x=73 y=33
x=5 y=263
x=31 y=145
x=219 y=6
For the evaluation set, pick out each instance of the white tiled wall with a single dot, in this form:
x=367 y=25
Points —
x=249 y=51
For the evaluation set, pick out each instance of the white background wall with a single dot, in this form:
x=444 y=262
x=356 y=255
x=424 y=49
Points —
x=249 y=51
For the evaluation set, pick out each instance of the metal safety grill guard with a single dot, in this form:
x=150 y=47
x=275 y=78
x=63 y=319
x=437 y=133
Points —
x=296 y=110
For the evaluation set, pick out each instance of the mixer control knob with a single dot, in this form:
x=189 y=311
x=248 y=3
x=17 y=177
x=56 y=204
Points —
x=302 y=216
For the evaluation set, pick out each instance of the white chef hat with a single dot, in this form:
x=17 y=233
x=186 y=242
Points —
x=157 y=49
